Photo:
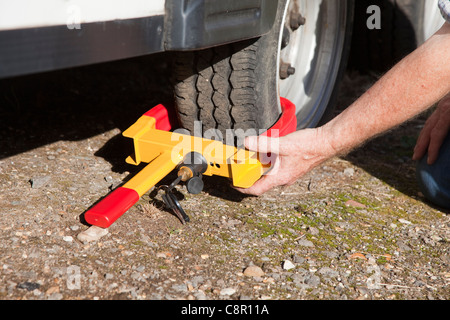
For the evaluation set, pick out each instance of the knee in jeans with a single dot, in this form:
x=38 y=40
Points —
x=434 y=182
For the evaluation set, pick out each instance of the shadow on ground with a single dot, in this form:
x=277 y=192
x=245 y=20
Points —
x=78 y=103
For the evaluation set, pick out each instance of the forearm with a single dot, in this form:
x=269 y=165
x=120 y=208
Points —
x=412 y=86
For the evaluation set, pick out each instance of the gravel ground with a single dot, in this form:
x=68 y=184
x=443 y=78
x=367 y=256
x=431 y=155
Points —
x=354 y=228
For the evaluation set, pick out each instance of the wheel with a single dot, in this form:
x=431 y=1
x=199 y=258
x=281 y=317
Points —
x=405 y=24
x=238 y=86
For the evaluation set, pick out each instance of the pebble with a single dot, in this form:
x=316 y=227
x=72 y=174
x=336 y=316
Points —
x=161 y=255
x=403 y=246
x=55 y=296
x=404 y=221
x=331 y=254
x=288 y=265
x=227 y=291
x=200 y=295
x=254 y=271
x=180 y=287
x=38 y=182
x=196 y=281
x=68 y=238
x=349 y=172
x=328 y=272
x=29 y=286
x=94 y=233
x=312 y=280
x=298 y=259
x=314 y=231
x=108 y=276
x=305 y=243
x=355 y=204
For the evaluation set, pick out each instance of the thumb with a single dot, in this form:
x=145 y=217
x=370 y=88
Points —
x=262 y=144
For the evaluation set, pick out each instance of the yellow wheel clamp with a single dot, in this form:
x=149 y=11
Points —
x=192 y=156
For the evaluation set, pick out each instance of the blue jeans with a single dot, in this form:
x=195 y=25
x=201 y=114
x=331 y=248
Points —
x=434 y=180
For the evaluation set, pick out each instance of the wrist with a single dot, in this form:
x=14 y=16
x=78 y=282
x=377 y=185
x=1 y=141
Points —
x=328 y=141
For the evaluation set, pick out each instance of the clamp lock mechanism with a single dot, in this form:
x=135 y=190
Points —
x=189 y=171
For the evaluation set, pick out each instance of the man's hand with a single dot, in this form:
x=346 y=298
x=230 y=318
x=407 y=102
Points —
x=295 y=155
x=434 y=132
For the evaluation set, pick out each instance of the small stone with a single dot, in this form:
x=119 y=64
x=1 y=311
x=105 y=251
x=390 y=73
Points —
x=305 y=243
x=436 y=238
x=353 y=203
x=29 y=286
x=108 y=276
x=349 y=172
x=331 y=254
x=68 y=238
x=298 y=259
x=200 y=295
x=94 y=233
x=404 y=221
x=227 y=291
x=253 y=271
x=340 y=287
x=52 y=290
x=288 y=265
x=38 y=182
x=55 y=296
x=161 y=255
x=312 y=280
x=314 y=231
x=403 y=246
x=197 y=280
x=328 y=272
x=357 y=255
x=180 y=287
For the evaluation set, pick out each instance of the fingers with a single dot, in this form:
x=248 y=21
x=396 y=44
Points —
x=437 y=137
x=421 y=146
x=432 y=135
x=424 y=137
x=265 y=183
x=262 y=144
x=260 y=187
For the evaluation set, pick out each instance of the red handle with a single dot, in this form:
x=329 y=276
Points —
x=110 y=208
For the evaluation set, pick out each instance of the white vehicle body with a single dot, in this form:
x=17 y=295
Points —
x=45 y=35
x=20 y=14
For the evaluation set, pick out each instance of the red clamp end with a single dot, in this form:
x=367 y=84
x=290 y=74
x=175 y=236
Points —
x=165 y=120
x=287 y=123
x=109 y=209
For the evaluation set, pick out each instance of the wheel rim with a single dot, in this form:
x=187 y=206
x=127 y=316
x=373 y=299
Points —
x=315 y=50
